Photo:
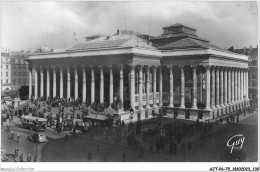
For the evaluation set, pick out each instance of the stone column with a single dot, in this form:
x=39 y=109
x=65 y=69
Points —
x=247 y=95
x=76 y=82
x=213 y=87
x=140 y=87
x=111 y=85
x=238 y=85
x=242 y=85
x=54 y=81
x=61 y=82
x=233 y=85
x=148 y=87
x=207 y=87
x=41 y=70
x=68 y=82
x=194 y=87
x=182 y=87
x=132 y=87
x=92 y=85
x=235 y=97
x=154 y=87
x=35 y=83
x=84 y=85
x=160 y=87
x=245 y=81
x=30 y=82
x=226 y=86
x=221 y=86
x=101 y=86
x=48 y=82
x=171 y=86
x=121 y=82
x=217 y=87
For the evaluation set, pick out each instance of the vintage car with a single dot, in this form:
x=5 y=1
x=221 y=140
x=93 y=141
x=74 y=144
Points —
x=39 y=137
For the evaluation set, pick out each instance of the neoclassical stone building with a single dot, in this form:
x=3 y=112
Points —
x=178 y=70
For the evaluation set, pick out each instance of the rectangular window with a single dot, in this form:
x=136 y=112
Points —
x=6 y=73
x=19 y=66
x=253 y=75
x=6 y=66
x=7 y=81
x=24 y=73
x=19 y=74
x=24 y=67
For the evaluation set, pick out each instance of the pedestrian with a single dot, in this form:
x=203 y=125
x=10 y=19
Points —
x=237 y=119
x=21 y=158
x=16 y=152
x=89 y=156
x=29 y=157
x=123 y=156
x=18 y=138
x=12 y=135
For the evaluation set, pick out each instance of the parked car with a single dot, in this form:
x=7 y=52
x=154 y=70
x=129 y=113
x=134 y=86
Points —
x=37 y=137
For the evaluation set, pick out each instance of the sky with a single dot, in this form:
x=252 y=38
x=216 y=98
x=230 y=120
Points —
x=31 y=25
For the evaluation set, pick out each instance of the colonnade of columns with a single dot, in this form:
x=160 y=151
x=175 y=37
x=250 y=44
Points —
x=133 y=68
x=223 y=86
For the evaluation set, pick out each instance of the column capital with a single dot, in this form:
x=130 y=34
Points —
x=169 y=66
x=207 y=67
x=61 y=68
x=217 y=68
x=120 y=66
x=83 y=67
x=110 y=66
x=140 y=67
x=181 y=67
x=100 y=67
x=41 y=67
x=75 y=67
x=194 y=67
x=53 y=67
x=132 y=66
x=147 y=68
x=153 y=67
x=68 y=68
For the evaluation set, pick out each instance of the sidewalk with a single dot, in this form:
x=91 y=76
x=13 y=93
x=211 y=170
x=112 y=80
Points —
x=196 y=137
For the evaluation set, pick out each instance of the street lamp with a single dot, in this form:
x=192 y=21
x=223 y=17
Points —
x=36 y=129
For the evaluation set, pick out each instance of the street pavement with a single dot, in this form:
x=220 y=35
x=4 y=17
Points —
x=205 y=147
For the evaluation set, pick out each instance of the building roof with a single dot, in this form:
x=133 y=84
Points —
x=114 y=41
x=179 y=25
x=251 y=52
x=187 y=43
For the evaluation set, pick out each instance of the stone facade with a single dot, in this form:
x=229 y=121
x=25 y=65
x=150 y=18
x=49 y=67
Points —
x=189 y=76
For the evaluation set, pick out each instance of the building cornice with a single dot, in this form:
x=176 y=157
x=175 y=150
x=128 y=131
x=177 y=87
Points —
x=101 y=52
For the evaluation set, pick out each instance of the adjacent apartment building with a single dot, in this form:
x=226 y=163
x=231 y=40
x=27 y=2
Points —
x=14 y=72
